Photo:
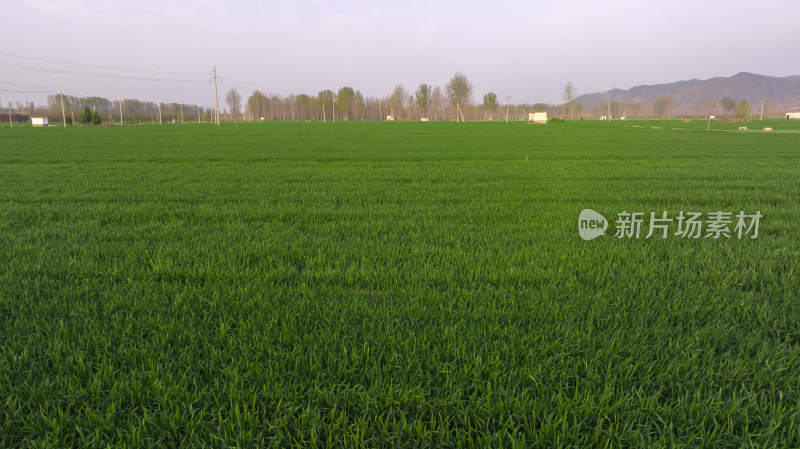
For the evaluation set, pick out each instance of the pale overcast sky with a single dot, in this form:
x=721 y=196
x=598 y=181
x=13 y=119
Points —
x=524 y=49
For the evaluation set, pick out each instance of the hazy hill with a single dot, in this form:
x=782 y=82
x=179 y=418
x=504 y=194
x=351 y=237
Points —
x=781 y=92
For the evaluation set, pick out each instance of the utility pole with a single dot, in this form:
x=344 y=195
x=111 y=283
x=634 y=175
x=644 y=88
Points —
x=458 y=112
x=323 y=112
x=181 y=113
x=10 y=121
x=159 y=111
x=216 y=93
x=508 y=100
x=708 y=125
x=713 y=103
x=63 y=115
x=119 y=100
x=762 y=109
x=198 y=113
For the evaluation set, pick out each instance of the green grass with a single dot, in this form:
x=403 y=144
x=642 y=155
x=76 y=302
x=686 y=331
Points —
x=395 y=285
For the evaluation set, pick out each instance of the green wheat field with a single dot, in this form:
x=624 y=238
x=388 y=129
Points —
x=396 y=285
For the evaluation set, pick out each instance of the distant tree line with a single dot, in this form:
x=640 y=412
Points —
x=453 y=101
x=108 y=111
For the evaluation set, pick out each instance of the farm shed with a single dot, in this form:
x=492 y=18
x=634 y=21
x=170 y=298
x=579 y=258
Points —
x=39 y=121
x=537 y=117
x=793 y=116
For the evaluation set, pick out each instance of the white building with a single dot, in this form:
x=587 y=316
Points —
x=537 y=117
x=793 y=116
x=39 y=121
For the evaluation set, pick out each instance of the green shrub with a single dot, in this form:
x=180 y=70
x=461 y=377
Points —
x=86 y=116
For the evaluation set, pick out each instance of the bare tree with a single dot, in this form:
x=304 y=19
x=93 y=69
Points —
x=257 y=104
x=437 y=101
x=569 y=97
x=304 y=106
x=459 y=93
x=358 y=104
x=766 y=105
x=397 y=101
x=728 y=105
x=663 y=106
x=234 y=101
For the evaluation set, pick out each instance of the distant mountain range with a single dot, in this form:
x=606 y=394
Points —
x=781 y=92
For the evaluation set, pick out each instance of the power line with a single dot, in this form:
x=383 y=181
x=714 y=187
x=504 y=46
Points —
x=216 y=93
x=91 y=74
x=94 y=93
x=28 y=91
x=96 y=75
x=66 y=89
x=112 y=76
x=100 y=66
x=29 y=85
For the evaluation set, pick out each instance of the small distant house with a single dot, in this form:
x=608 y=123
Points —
x=424 y=119
x=39 y=121
x=537 y=117
x=389 y=118
x=603 y=117
x=793 y=116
